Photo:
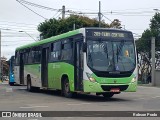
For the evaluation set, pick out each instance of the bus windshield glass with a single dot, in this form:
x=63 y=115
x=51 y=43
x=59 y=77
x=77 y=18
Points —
x=110 y=56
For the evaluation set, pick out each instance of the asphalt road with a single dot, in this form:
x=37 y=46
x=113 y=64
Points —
x=16 y=98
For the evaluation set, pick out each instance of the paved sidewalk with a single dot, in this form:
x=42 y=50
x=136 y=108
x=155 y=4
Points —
x=4 y=82
x=148 y=85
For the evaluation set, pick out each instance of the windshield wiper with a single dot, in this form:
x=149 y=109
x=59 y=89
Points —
x=117 y=53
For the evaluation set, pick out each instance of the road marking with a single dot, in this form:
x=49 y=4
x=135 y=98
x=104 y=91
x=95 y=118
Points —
x=21 y=88
x=80 y=104
x=33 y=106
x=85 y=103
x=73 y=104
x=139 y=98
x=9 y=90
x=156 y=97
x=147 y=98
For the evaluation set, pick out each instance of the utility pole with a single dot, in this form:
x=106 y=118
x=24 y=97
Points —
x=63 y=12
x=2 y=70
x=99 y=14
x=0 y=57
x=74 y=26
x=153 y=60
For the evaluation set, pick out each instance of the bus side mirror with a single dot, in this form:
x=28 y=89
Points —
x=84 y=47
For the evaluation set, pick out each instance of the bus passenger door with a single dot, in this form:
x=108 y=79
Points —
x=78 y=63
x=44 y=67
x=21 y=70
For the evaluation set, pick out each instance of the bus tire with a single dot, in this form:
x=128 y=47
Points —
x=29 y=85
x=107 y=95
x=11 y=83
x=66 y=88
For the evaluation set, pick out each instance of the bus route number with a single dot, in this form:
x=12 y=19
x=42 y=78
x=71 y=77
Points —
x=107 y=34
x=104 y=34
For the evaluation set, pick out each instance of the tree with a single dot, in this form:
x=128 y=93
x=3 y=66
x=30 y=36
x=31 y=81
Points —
x=115 y=24
x=5 y=67
x=144 y=47
x=54 y=27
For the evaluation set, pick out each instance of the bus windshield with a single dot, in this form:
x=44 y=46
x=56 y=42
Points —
x=110 y=56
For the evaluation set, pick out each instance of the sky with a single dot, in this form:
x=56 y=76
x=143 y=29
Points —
x=19 y=25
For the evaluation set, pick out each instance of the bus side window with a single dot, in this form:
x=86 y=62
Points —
x=30 y=59
x=55 y=51
x=26 y=56
x=17 y=58
x=37 y=54
x=52 y=55
x=67 y=50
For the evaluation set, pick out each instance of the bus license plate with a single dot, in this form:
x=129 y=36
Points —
x=115 y=90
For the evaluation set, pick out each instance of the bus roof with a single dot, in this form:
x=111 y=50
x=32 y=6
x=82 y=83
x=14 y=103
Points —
x=64 y=35
x=70 y=33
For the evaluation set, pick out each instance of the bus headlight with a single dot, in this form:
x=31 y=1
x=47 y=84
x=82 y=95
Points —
x=90 y=77
x=133 y=80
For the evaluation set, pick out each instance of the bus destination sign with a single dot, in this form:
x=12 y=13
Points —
x=108 y=34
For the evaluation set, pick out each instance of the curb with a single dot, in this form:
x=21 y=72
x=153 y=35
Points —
x=149 y=85
x=144 y=85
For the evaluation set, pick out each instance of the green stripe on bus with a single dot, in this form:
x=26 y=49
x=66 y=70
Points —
x=54 y=38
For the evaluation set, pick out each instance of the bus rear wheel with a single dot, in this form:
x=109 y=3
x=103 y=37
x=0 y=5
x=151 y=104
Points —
x=107 y=95
x=66 y=88
x=11 y=83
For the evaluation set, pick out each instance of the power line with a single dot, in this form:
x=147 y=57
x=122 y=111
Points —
x=16 y=29
x=83 y=9
x=44 y=7
x=52 y=9
x=106 y=18
x=32 y=10
x=14 y=32
x=17 y=40
x=58 y=15
x=10 y=45
x=12 y=36
x=19 y=34
x=55 y=14
x=139 y=13
x=18 y=23
x=39 y=6
x=134 y=9
x=129 y=15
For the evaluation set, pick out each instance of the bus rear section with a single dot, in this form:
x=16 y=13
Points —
x=11 y=71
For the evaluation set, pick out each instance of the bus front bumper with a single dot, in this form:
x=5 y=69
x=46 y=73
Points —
x=95 y=87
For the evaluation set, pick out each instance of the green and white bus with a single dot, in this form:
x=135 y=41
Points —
x=88 y=60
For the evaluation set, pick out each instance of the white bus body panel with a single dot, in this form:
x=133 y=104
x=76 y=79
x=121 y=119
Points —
x=16 y=74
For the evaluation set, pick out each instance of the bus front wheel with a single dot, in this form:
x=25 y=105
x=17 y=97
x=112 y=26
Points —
x=11 y=83
x=66 y=88
x=107 y=95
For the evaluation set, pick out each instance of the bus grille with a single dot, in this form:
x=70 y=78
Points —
x=108 y=88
